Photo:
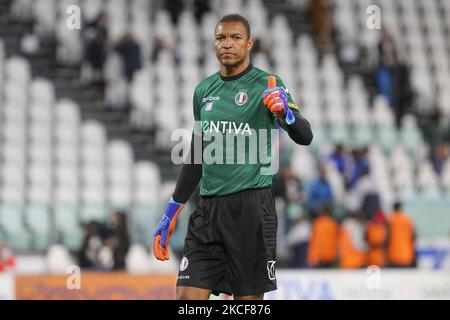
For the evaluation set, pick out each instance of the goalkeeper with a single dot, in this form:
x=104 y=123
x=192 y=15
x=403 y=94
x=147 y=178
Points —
x=230 y=245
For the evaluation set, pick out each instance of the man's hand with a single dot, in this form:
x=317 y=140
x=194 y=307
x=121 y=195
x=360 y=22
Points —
x=276 y=100
x=165 y=230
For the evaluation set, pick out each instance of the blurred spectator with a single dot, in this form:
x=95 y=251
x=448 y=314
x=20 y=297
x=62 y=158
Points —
x=298 y=241
x=384 y=82
x=319 y=193
x=92 y=243
x=95 y=41
x=339 y=158
x=119 y=241
x=105 y=248
x=105 y=256
x=7 y=258
x=376 y=233
x=322 y=23
x=352 y=245
x=292 y=186
x=98 y=25
x=130 y=51
x=95 y=53
x=401 y=89
x=438 y=156
x=386 y=47
x=287 y=186
x=323 y=250
x=401 y=237
x=359 y=165
x=364 y=196
x=159 y=44
x=393 y=77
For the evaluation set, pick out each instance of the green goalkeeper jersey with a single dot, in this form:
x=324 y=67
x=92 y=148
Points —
x=237 y=129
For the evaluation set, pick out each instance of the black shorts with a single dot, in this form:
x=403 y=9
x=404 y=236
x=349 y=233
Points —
x=230 y=244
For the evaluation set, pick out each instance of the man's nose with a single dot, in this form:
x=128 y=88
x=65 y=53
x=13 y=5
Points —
x=227 y=43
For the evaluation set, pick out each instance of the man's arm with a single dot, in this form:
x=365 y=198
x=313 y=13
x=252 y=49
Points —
x=191 y=172
x=189 y=176
x=299 y=131
x=188 y=180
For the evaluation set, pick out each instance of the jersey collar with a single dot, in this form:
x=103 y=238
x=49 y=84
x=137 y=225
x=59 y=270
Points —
x=237 y=76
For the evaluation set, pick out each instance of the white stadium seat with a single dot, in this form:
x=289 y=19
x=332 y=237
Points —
x=67 y=112
x=119 y=153
x=93 y=133
x=15 y=94
x=42 y=91
x=17 y=71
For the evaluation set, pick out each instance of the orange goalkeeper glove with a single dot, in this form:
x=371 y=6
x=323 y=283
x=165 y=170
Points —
x=276 y=100
x=165 y=229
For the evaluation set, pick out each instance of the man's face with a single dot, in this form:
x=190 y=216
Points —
x=231 y=43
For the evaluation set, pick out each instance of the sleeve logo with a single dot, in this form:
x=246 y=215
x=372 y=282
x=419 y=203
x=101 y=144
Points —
x=293 y=105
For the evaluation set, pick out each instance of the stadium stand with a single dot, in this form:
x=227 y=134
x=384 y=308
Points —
x=71 y=152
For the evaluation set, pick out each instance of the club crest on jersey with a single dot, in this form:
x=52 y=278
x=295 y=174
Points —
x=241 y=98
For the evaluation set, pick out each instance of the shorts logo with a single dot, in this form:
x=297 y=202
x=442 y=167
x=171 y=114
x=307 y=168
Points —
x=184 y=264
x=271 y=269
x=241 y=98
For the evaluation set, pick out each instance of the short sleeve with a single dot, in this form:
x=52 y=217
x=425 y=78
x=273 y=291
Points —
x=196 y=105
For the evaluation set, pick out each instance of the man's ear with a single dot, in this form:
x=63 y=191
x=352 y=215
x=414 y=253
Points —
x=250 y=43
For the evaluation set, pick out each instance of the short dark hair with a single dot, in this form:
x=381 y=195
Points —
x=397 y=206
x=235 y=17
